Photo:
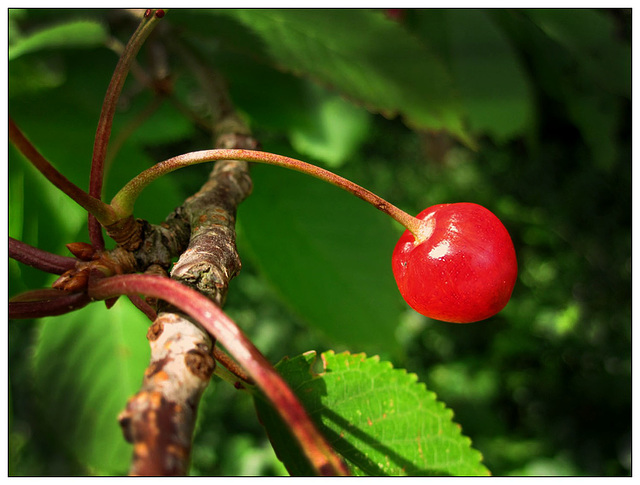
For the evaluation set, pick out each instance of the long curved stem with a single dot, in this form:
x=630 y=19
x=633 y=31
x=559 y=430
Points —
x=214 y=320
x=124 y=200
x=99 y=209
x=103 y=132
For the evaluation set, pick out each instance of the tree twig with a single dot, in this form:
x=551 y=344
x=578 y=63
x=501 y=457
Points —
x=92 y=204
x=54 y=302
x=105 y=122
x=319 y=453
x=159 y=419
x=39 y=259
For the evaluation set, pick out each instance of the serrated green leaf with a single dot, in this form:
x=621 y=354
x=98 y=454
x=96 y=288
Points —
x=327 y=253
x=364 y=55
x=381 y=420
x=75 y=33
x=86 y=365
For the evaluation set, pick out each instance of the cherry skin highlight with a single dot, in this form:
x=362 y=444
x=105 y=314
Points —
x=463 y=270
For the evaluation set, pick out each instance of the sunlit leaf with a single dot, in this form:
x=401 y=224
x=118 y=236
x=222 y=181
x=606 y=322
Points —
x=380 y=419
x=327 y=253
x=335 y=128
x=75 y=33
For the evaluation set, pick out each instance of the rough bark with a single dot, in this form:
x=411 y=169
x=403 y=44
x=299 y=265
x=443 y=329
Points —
x=159 y=419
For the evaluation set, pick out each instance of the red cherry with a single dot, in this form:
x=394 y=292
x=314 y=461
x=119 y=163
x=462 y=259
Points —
x=463 y=270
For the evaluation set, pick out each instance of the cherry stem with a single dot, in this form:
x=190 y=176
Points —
x=103 y=132
x=124 y=200
x=223 y=329
x=91 y=204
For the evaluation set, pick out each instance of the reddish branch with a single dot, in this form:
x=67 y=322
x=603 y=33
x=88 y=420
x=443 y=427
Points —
x=92 y=204
x=144 y=307
x=46 y=303
x=105 y=121
x=317 y=450
x=39 y=259
x=159 y=419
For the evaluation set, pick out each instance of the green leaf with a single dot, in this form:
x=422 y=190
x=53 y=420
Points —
x=164 y=127
x=597 y=116
x=381 y=420
x=588 y=74
x=493 y=84
x=365 y=56
x=86 y=365
x=334 y=131
x=596 y=71
x=39 y=215
x=327 y=253
x=70 y=113
x=15 y=15
x=28 y=76
x=591 y=38
x=75 y=33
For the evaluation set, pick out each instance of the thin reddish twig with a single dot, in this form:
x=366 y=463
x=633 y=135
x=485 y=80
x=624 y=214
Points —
x=322 y=457
x=143 y=306
x=105 y=122
x=39 y=259
x=93 y=205
x=51 y=305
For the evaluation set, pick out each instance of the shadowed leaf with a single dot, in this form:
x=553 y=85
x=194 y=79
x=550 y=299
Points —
x=380 y=419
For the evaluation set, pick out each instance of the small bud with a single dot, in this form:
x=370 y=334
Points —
x=81 y=250
x=77 y=282
x=64 y=279
x=160 y=13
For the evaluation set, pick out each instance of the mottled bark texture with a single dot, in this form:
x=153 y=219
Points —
x=211 y=259
x=160 y=418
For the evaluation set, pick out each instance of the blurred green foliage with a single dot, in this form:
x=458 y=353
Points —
x=543 y=388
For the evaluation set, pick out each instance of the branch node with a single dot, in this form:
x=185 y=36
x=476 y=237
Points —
x=126 y=232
